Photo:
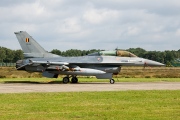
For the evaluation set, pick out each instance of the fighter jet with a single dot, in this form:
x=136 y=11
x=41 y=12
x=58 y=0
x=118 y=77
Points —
x=102 y=64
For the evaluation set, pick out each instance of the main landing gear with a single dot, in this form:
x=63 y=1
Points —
x=65 y=80
x=74 y=79
x=112 y=81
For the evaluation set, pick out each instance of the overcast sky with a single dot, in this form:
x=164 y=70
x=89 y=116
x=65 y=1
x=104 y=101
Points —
x=92 y=24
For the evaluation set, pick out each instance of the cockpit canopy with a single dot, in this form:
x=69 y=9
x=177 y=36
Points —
x=120 y=53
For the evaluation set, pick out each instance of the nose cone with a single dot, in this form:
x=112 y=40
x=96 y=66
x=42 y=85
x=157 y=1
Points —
x=153 y=63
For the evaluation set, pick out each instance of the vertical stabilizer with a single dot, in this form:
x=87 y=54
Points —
x=28 y=44
x=30 y=47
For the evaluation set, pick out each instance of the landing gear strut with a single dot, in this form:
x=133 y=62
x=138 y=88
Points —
x=112 y=81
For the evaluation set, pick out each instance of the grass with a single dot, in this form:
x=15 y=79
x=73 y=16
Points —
x=59 y=80
x=120 y=105
x=124 y=105
x=126 y=72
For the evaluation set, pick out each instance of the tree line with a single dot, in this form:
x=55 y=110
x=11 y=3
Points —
x=10 y=56
x=166 y=57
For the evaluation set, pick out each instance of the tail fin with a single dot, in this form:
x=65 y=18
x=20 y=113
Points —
x=28 y=44
x=30 y=47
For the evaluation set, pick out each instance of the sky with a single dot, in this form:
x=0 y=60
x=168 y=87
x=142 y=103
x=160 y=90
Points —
x=92 y=24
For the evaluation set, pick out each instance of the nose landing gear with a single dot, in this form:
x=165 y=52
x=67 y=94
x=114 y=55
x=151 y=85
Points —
x=112 y=81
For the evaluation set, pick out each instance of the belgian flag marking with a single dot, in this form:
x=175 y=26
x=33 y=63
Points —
x=27 y=39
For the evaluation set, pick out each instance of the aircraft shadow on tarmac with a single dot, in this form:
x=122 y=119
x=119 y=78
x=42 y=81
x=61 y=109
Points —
x=34 y=82
x=51 y=82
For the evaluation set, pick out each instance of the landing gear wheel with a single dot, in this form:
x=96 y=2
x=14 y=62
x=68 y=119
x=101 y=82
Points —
x=65 y=80
x=112 y=81
x=74 y=80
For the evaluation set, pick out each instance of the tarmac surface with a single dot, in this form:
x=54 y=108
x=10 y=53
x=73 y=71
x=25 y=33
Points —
x=85 y=86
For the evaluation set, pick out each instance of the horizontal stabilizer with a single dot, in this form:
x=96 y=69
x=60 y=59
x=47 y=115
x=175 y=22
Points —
x=19 y=68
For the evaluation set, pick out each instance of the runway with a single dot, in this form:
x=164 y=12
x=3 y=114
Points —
x=80 y=87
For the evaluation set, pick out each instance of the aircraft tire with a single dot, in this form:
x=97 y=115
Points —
x=65 y=80
x=74 y=80
x=112 y=81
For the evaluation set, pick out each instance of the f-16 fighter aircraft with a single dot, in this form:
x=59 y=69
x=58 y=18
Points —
x=103 y=64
